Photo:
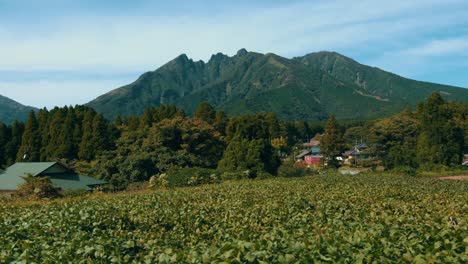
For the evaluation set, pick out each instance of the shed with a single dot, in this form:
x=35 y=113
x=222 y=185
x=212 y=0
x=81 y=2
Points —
x=61 y=177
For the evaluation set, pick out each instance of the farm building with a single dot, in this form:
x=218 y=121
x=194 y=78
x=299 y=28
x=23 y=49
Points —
x=61 y=177
x=313 y=145
x=309 y=158
x=359 y=152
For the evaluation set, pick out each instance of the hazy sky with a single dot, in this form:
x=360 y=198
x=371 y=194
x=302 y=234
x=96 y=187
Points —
x=61 y=52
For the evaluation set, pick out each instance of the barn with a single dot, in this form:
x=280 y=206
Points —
x=61 y=177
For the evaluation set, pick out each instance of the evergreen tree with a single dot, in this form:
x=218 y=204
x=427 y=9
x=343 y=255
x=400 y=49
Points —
x=273 y=125
x=86 y=148
x=205 y=112
x=66 y=148
x=395 y=139
x=53 y=133
x=221 y=121
x=146 y=120
x=5 y=137
x=43 y=120
x=118 y=121
x=102 y=135
x=30 y=149
x=12 y=147
x=441 y=141
x=256 y=155
x=331 y=144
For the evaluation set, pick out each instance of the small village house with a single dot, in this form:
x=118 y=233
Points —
x=310 y=154
x=61 y=177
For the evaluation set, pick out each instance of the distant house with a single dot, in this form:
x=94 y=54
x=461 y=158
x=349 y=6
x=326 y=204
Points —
x=310 y=154
x=465 y=158
x=313 y=145
x=309 y=158
x=359 y=152
x=61 y=177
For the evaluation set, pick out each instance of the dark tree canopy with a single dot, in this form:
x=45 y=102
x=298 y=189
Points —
x=332 y=144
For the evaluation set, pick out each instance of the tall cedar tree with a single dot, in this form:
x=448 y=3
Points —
x=441 y=141
x=331 y=144
x=221 y=121
x=205 y=112
x=66 y=146
x=249 y=146
x=30 y=149
x=86 y=151
x=43 y=120
x=12 y=147
x=102 y=135
x=5 y=137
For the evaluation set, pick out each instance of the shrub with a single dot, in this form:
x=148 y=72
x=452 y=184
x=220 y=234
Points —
x=289 y=170
x=404 y=170
x=74 y=193
x=37 y=188
x=185 y=177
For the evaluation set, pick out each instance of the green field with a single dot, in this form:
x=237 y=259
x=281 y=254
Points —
x=329 y=218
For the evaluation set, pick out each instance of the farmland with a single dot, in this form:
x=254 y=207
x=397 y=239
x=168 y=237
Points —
x=327 y=218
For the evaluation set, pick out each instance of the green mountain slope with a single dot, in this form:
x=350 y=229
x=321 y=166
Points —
x=11 y=110
x=309 y=87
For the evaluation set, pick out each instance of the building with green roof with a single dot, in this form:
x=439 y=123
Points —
x=61 y=177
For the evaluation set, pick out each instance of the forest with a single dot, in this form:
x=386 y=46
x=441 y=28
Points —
x=165 y=141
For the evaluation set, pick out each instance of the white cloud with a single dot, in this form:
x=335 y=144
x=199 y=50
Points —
x=146 y=42
x=117 y=44
x=439 y=47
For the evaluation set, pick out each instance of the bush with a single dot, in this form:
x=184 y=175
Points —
x=234 y=175
x=246 y=174
x=37 y=188
x=74 y=193
x=404 y=170
x=185 y=177
x=289 y=170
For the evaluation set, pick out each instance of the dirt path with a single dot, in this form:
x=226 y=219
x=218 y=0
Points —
x=461 y=177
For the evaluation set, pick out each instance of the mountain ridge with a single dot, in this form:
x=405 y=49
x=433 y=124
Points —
x=11 y=110
x=309 y=87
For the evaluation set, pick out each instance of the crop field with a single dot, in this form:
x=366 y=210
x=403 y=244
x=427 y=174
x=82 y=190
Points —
x=328 y=218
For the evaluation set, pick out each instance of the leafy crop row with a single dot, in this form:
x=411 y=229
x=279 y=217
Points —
x=323 y=218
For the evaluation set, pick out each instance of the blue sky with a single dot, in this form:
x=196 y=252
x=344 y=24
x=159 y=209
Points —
x=62 y=52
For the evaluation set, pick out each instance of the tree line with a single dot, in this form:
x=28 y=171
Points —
x=164 y=138
x=435 y=134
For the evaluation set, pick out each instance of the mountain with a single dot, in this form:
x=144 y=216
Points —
x=309 y=87
x=11 y=110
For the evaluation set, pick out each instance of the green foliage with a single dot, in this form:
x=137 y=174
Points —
x=36 y=188
x=30 y=149
x=67 y=133
x=328 y=218
x=289 y=170
x=403 y=170
x=441 y=140
x=140 y=154
x=206 y=112
x=396 y=139
x=256 y=155
x=188 y=177
x=331 y=144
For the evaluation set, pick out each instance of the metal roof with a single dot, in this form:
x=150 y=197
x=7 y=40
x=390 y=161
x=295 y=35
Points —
x=66 y=180
x=303 y=154
x=74 y=181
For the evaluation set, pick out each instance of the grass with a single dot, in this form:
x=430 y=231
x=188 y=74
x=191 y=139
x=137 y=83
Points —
x=326 y=218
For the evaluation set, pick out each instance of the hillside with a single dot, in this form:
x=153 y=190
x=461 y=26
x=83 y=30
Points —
x=309 y=87
x=11 y=110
